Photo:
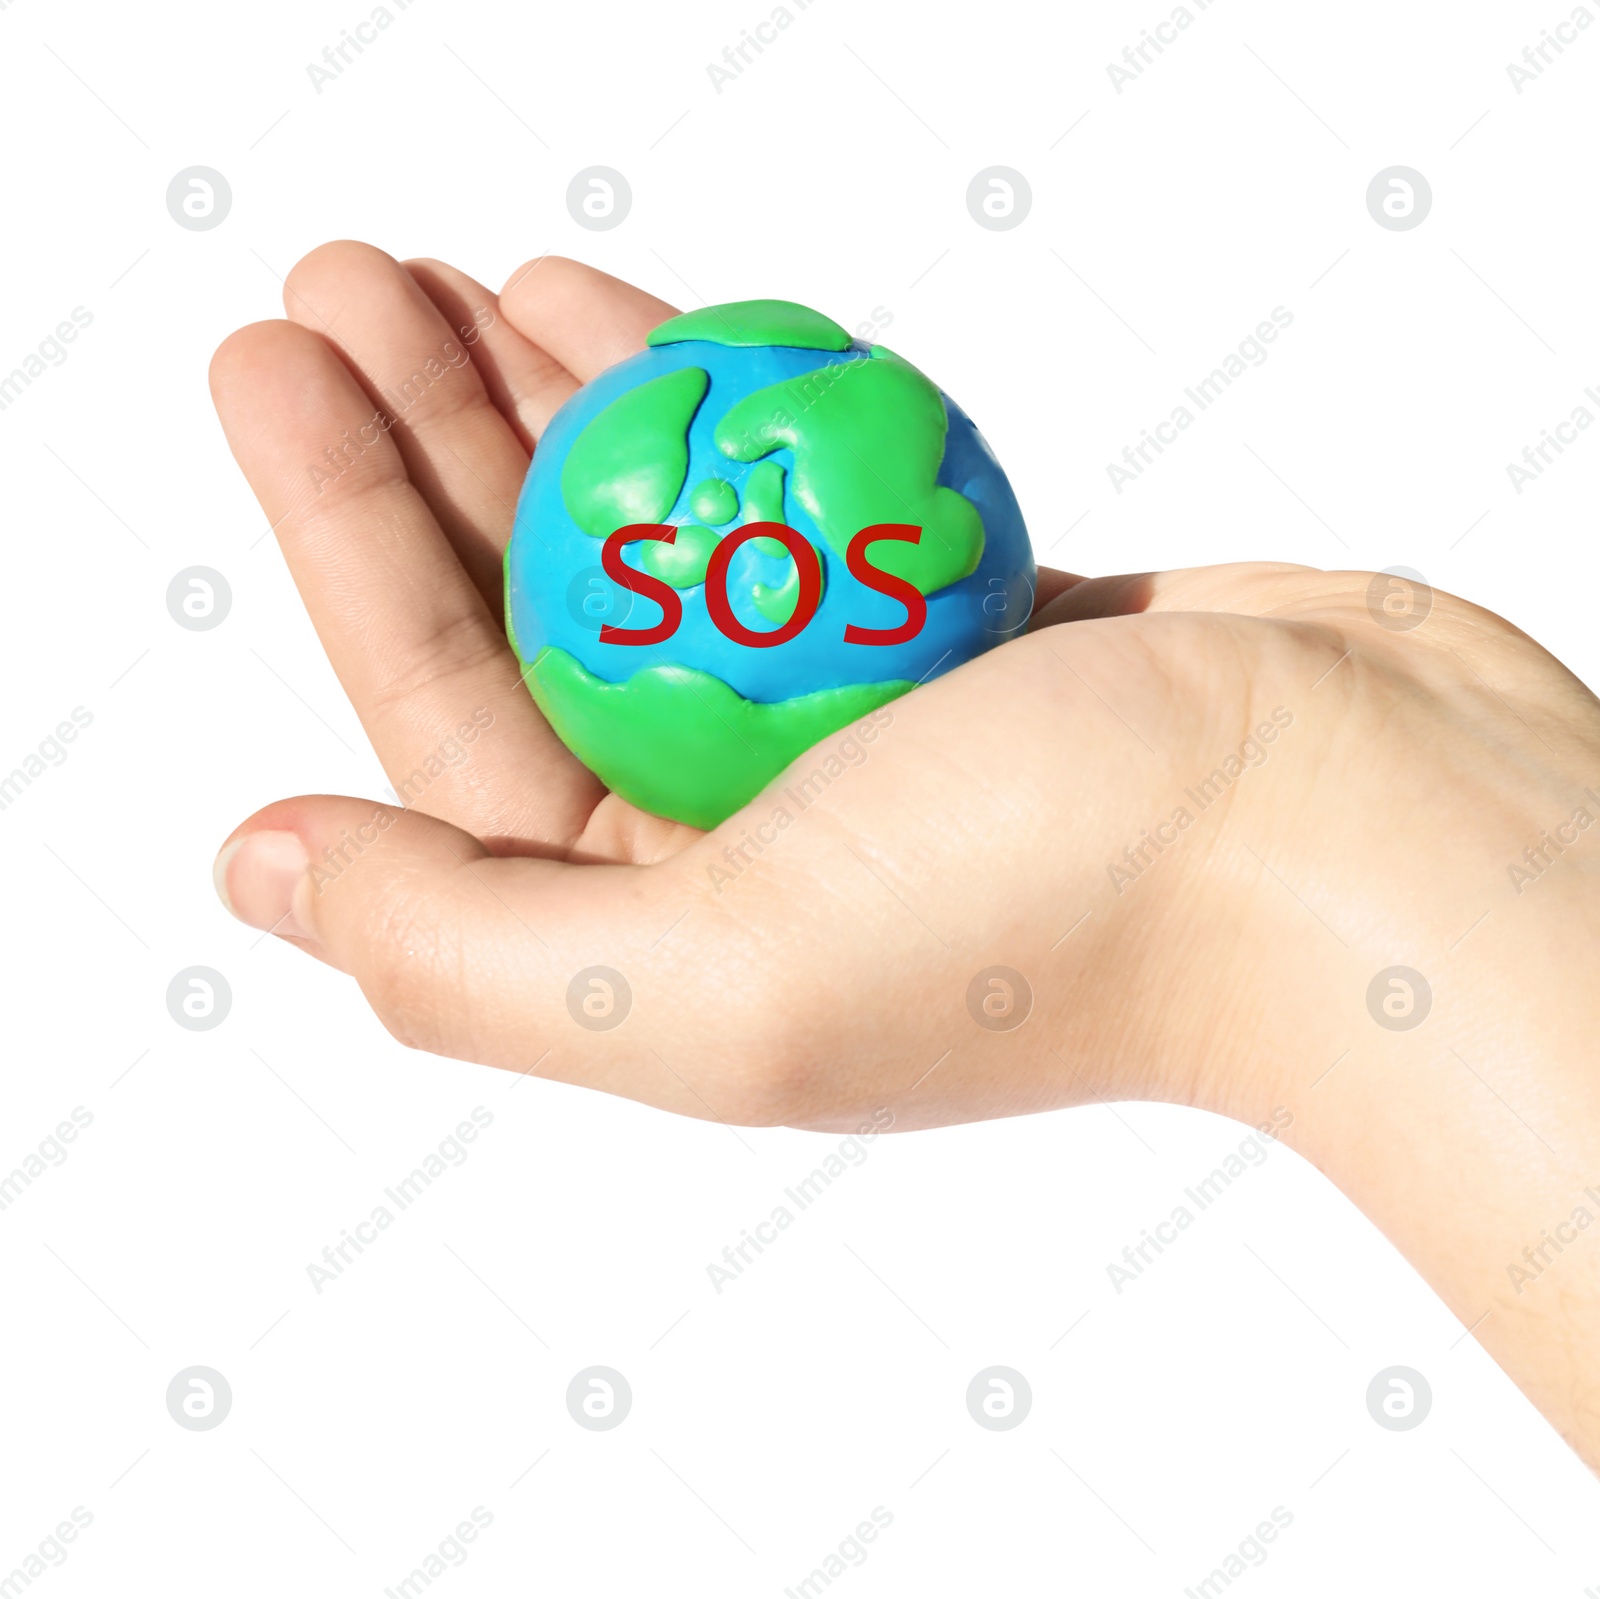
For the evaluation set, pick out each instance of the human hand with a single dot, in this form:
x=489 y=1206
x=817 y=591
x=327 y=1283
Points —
x=1353 y=795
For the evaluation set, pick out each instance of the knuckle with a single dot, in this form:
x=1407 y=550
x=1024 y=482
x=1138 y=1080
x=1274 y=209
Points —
x=458 y=647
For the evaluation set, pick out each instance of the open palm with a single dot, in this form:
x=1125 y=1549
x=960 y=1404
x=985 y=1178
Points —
x=1169 y=814
x=1226 y=837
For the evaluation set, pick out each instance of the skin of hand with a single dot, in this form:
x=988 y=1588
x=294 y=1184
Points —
x=1052 y=807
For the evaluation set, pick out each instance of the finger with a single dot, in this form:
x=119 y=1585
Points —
x=460 y=451
x=487 y=959
x=582 y=317
x=526 y=384
x=411 y=639
x=1050 y=584
x=1244 y=588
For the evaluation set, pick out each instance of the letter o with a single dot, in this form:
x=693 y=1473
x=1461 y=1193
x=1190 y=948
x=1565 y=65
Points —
x=807 y=562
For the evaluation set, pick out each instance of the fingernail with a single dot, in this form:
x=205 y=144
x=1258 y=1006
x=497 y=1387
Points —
x=257 y=877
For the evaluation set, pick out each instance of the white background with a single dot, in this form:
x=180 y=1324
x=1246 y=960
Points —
x=1230 y=178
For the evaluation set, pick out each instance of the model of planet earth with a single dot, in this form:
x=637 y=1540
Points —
x=758 y=411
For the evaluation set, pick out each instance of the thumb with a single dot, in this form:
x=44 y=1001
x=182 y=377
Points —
x=381 y=893
x=275 y=871
x=516 y=962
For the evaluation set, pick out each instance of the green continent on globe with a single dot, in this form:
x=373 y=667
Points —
x=747 y=324
x=868 y=440
x=629 y=463
x=681 y=743
x=763 y=502
x=714 y=501
x=683 y=562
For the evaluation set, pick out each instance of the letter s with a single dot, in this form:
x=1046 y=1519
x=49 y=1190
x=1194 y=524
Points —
x=652 y=588
x=897 y=588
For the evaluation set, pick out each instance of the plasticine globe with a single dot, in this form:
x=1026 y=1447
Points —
x=758 y=411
